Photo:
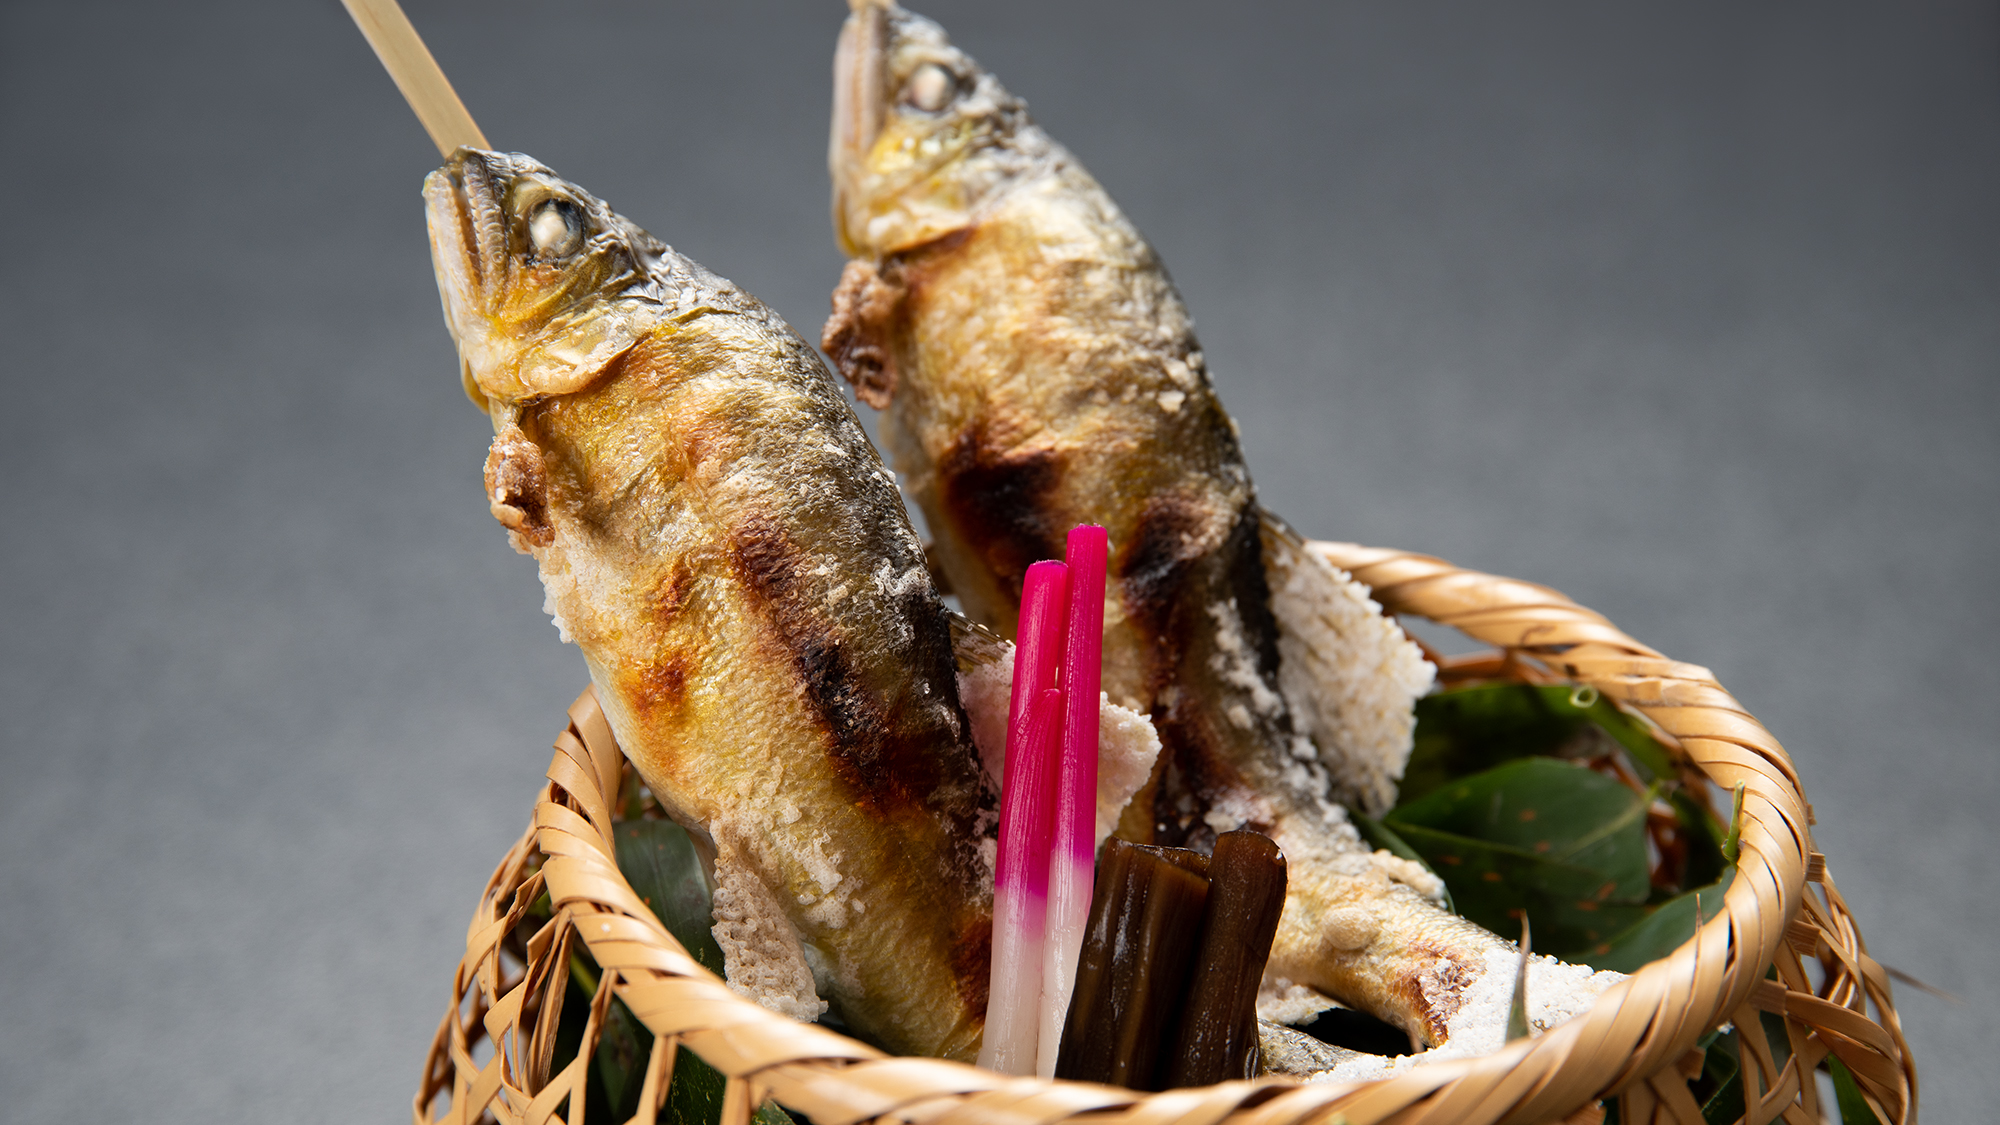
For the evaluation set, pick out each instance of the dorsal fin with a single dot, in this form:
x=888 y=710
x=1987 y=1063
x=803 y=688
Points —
x=974 y=645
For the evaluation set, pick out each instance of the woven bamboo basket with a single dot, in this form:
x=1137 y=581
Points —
x=1784 y=943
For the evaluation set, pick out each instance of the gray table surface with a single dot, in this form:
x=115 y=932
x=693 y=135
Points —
x=1691 y=311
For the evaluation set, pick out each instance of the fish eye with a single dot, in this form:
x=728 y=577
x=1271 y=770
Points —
x=930 y=88
x=555 y=228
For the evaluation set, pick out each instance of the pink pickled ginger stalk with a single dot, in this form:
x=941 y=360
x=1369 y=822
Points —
x=1073 y=843
x=1021 y=871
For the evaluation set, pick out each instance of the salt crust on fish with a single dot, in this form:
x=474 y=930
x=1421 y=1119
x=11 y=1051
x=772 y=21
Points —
x=763 y=959
x=1127 y=743
x=1283 y=1002
x=1557 y=993
x=1350 y=674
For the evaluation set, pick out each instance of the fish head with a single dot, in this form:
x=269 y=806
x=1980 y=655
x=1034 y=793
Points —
x=922 y=137
x=543 y=284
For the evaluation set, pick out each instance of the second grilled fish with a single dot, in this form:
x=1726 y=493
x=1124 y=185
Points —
x=1038 y=370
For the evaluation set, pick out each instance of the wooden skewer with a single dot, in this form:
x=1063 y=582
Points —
x=417 y=74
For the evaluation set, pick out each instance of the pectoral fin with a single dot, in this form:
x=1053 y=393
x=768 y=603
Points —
x=517 y=489
x=857 y=334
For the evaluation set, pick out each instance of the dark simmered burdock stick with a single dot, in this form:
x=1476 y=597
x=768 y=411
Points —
x=1145 y=925
x=1217 y=1037
x=1166 y=991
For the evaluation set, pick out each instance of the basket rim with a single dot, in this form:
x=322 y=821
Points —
x=1627 y=1045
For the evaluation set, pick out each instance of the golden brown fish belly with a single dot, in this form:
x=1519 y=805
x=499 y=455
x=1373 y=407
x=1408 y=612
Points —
x=811 y=727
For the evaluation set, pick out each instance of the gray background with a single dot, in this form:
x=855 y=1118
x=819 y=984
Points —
x=1691 y=311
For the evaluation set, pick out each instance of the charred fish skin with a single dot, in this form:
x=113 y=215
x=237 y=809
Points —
x=718 y=536
x=1037 y=369
x=1036 y=363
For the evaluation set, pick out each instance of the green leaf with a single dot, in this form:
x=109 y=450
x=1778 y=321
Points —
x=1544 y=808
x=624 y=1047
x=1629 y=731
x=1703 y=833
x=1517 y=1011
x=771 y=1113
x=1732 y=842
x=1465 y=730
x=1722 y=1068
x=1661 y=932
x=1382 y=836
x=617 y=1076
x=660 y=862
x=1854 y=1109
x=1470 y=729
x=1557 y=840
x=1577 y=925
x=1491 y=884
x=1477 y=869
x=695 y=1098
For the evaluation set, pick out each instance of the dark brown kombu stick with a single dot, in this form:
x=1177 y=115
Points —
x=1217 y=1036
x=1145 y=922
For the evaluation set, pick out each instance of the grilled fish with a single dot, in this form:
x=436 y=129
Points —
x=718 y=536
x=1038 y=370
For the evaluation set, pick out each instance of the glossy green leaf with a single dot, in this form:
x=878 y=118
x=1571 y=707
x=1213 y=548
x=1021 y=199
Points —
x=1734 y=840
x=1776 y=1033
x=617 y=1076
x=1574 y=925
x=771 y=1113
x=1558 y=811
x=1571 y=906
x=1467 y=730
x=1854 y=1109
x=1630 y=732
x=1702 y=832
x=624 y=1047
x=660 y=862
x=1471 y=865
x=1556 y=840
x=1660 y=932
x=695 y=1098
x=1722 y=1071
x=1517 y=1011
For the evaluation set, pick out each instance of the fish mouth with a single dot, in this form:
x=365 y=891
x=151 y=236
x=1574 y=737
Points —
x=463 y=210
x=860 y=95
x=463 y=202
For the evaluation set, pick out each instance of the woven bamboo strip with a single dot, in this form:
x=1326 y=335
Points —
x=1630 y=1045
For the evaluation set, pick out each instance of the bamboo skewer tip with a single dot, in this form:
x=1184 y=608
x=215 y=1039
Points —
x=417 y=74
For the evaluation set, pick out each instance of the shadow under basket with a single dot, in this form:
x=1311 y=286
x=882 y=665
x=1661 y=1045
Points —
x=1784 y=945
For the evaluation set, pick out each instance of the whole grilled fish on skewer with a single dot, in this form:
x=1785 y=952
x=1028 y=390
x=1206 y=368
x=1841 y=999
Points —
x=719 y=538
x=1038 y=370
